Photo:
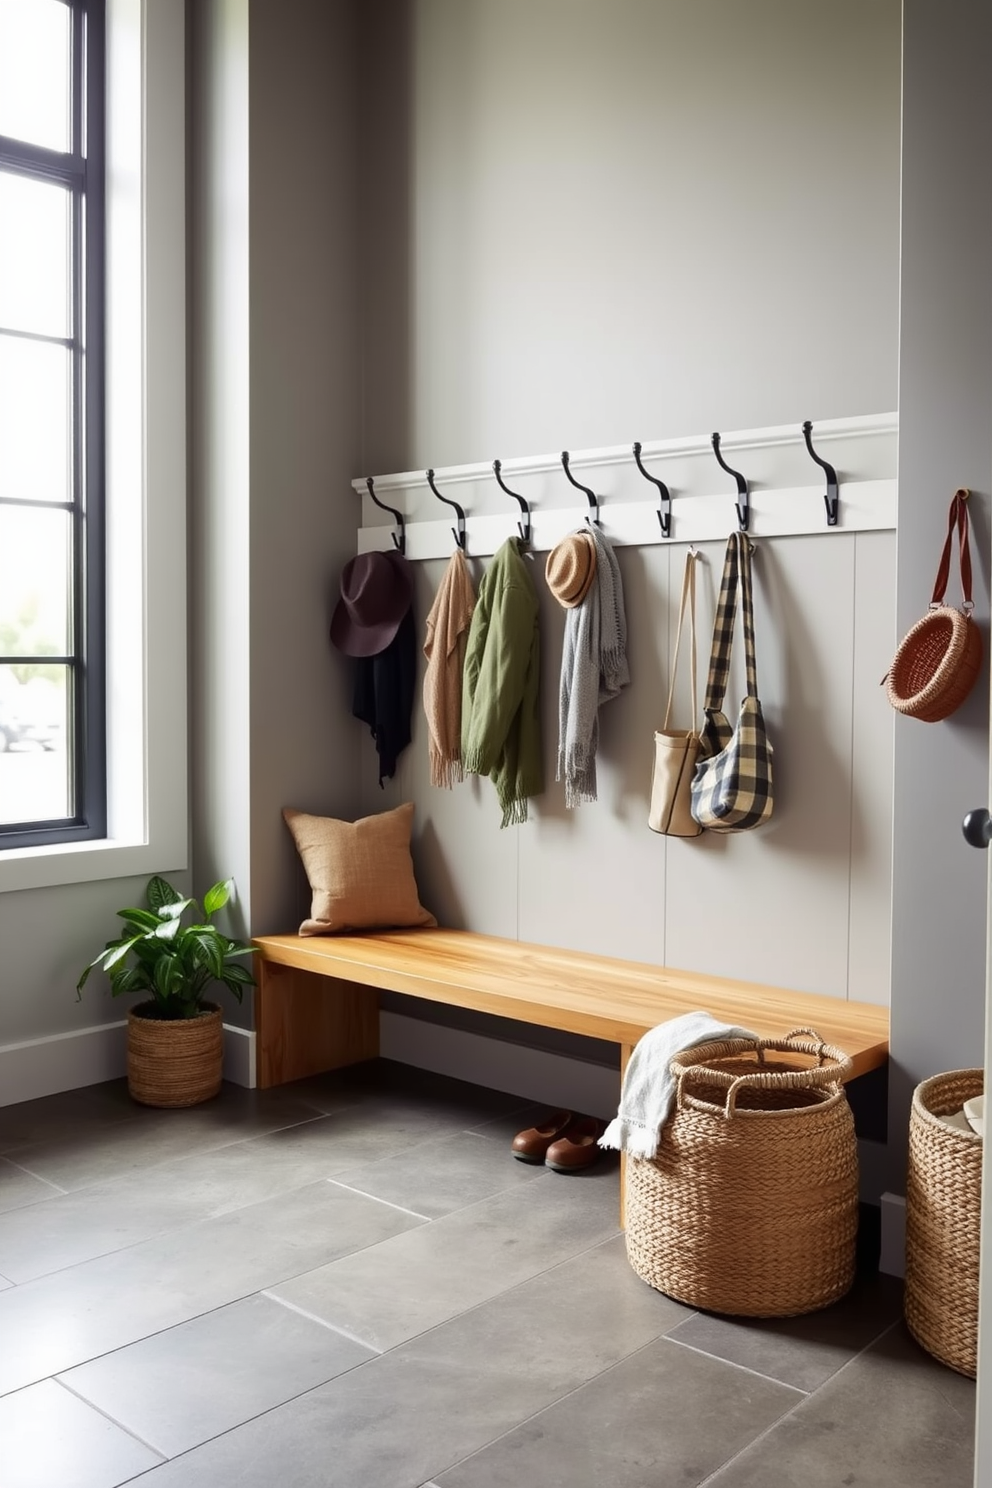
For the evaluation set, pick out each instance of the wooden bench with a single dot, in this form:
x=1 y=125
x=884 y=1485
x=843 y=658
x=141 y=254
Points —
x=316 y=1005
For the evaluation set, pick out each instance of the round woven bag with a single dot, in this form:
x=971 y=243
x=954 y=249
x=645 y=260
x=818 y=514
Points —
x=750 y=1206
x=939 y=659
x=943 y=1210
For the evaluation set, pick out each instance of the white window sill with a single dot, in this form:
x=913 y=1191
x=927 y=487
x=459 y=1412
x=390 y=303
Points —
x=86 y=862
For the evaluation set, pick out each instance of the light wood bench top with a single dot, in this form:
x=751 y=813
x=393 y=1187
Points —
x=599 y=996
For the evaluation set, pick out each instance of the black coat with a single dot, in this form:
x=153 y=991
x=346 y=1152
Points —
x=383 y=696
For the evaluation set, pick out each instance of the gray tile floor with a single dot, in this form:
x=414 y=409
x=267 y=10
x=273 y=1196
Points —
x=349 y=1281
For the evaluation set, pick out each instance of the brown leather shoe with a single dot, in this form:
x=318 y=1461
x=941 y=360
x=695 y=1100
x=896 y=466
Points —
x=576 y=1148
x=532 y=1145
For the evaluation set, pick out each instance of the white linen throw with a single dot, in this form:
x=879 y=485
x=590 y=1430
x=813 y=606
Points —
x=648 y=1084
x=593 y=670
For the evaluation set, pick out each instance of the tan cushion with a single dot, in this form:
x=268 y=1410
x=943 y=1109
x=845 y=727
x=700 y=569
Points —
x=361 y=873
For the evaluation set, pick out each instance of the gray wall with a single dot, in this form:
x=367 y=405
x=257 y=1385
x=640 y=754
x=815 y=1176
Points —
x=587 y=223
x=653 y=221
x=945 y=395
x=274 y=417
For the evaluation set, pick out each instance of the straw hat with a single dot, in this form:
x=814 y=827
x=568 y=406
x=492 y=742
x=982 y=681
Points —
x=571 y=568
x=376 y=592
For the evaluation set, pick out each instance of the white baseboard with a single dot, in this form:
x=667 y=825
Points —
x=892 y=1258
x=68 y=1061
x=533 y=1074
x=239 y=1056
x=62 y=1061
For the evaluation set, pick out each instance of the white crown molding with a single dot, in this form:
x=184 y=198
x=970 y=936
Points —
x=786 y=490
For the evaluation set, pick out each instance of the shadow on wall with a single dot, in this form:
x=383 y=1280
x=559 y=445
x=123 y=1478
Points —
x=386 y=53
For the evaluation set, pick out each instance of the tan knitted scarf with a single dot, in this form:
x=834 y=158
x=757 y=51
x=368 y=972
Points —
x=447 y=634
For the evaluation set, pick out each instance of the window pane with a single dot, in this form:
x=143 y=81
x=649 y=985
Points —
x=34 y=770
x=34 y=72
x=34 y=420
x=34 y=582
x=34 y=256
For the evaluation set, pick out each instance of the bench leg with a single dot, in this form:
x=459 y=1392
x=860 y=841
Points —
x=625 y=1052
x=306 y=1024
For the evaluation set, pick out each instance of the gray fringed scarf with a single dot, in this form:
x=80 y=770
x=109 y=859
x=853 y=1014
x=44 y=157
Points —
x=593 y=670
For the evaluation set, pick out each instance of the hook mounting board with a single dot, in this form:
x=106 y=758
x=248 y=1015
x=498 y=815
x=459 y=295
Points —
x=786 y=491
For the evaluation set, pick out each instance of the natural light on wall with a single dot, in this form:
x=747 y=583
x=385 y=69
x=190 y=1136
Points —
x=36 y=487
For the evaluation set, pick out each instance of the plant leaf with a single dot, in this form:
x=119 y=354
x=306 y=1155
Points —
x=173 y=910
x=117 y=953
x=142 y=919
x=160 y=892
x=239 y=974
x=207 y=950
x=166 y=930
x=216 y=897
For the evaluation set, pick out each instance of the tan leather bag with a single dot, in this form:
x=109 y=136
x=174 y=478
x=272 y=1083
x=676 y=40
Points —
x=676 y=750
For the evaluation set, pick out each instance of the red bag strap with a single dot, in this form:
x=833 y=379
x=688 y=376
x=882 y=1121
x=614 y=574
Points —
x=958 y=516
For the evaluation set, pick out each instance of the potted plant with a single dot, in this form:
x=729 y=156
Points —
x=175 y=1049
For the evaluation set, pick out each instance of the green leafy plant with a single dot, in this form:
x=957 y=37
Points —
x=176 y=962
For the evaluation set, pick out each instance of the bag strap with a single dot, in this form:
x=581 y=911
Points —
x=736 y=567
x=723 y=630
x=747 y=608
x=957 y=516
x=688 y=600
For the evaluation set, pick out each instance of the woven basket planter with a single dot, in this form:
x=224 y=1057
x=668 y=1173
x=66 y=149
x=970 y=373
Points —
x=943 y=1204
x=751 y=1205
x=174 y=1062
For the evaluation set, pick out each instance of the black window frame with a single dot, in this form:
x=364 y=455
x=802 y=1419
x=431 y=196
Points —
x=81 y=169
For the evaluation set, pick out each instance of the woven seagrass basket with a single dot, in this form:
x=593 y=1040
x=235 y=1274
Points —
x=176 y=1061
x=943 y=1204
x=750 y=1206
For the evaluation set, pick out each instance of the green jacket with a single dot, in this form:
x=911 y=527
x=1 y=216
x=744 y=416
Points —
x=501 y=720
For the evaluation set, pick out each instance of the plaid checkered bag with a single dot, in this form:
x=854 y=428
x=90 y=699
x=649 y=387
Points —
x=732 y=786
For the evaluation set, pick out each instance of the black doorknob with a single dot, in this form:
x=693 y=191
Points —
x=977 y=827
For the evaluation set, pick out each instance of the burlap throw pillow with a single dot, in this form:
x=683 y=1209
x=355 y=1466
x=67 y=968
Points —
x=361 y=873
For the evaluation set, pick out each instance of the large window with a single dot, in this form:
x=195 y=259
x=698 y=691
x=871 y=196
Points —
x=52 y=705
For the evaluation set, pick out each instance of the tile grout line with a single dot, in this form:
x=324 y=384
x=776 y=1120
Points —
x=388 y=1203
x=38 y=1177
x=58 y=1380
x=151 y=1166
x=593 y=1379
x=746 y=1368
x=332 y=1327
x=763 y=1435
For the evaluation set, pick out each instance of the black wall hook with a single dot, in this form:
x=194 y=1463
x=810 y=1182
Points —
x=399 y=538
x=831 y=496
x=665 y=510
x=591 y=496
x=459 y=536
x=743 y=502
x=522 y=527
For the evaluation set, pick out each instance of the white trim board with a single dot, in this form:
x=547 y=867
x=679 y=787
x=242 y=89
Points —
x=88 y=1056
x=62 y=1061
x=786 y=490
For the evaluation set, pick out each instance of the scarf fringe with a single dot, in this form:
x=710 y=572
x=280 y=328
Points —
x=473 y=763
x=445 y=772
x=514 y=812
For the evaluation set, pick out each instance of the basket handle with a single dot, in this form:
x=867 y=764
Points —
x=957 y=516
x=799 y=1041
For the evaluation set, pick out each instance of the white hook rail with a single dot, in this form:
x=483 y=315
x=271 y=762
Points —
x=786 y=490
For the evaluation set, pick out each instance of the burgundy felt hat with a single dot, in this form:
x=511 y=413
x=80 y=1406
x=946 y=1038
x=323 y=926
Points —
x=376 y=591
